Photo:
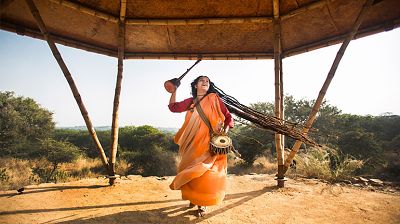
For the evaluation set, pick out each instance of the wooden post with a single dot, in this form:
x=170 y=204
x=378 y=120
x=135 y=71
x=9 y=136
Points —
x=115 y=116
x=328 y=80
x=278 y=90
x=282 y=108
x=67 y=74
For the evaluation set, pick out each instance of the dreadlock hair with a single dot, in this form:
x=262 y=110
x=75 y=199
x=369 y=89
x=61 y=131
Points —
x=262 y=120
x=259 y=119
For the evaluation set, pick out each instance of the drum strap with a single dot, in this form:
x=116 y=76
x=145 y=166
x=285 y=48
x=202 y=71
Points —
x=203 y=116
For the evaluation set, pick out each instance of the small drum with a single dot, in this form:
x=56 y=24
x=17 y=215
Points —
x=220 y=144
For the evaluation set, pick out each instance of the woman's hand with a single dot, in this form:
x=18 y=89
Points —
x=226 y=129
x=219 y=127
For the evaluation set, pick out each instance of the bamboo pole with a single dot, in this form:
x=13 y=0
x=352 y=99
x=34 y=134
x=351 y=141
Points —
x=278 y=90
x=198 y=21
x=115 y=116
x=328 y=80
x=281 y=106
x=67 y=74
x=204 y=56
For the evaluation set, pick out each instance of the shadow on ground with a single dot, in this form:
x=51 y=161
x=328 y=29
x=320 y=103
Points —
x=169 y=214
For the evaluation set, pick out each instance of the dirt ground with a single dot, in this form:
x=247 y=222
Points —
x=250 y=199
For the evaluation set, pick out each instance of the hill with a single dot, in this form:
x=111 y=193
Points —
x=249 y=199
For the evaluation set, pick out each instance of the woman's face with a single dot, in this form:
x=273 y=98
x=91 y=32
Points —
x=203 y=85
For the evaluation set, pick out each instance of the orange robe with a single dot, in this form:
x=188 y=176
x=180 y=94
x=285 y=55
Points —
x=201 y=177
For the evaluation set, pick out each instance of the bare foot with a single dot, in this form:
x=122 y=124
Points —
x=201 y=211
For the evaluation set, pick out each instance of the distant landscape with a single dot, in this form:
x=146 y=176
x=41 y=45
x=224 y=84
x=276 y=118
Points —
x=107 y=128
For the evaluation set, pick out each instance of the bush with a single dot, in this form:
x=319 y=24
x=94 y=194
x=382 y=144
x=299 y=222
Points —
x=326 y=163
x=252 y=143
x=363 y=146
x=3 y=175
x=56 y=152
x=261 y=165
x=153 y=161
x=47 y=174
x=15 y=173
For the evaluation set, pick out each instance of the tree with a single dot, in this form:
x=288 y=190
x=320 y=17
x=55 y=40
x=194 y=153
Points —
x=138 y=138
x=362 y=146
x=151 y=161
x=324 y=130
x=58 y=152
x=22 y=122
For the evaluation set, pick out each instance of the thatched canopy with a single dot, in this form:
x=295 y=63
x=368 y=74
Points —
x=188 y=29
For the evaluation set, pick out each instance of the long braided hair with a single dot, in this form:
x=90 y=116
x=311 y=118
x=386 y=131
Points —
x=259 y=119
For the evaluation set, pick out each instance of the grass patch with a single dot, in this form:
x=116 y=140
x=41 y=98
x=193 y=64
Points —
x=16 y=173
x=261 y=165
x=326 y=164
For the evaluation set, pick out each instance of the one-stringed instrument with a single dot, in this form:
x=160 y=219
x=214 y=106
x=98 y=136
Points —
x=172 y=84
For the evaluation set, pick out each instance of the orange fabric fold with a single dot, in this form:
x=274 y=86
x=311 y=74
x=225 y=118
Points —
x=201 y=177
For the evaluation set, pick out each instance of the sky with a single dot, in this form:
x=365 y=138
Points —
x=366 y=82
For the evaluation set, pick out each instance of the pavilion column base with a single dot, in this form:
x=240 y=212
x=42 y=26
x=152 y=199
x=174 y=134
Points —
x=281 y=176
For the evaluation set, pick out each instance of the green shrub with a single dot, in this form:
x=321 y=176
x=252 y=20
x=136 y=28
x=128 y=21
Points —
x=326 y=163
x=314 y=163
x=153 y=161
x=47 y=174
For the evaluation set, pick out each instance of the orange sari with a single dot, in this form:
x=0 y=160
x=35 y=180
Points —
x=201 y=177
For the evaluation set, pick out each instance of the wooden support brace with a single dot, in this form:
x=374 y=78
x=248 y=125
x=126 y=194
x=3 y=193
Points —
x=68 y=77
x=328 y=80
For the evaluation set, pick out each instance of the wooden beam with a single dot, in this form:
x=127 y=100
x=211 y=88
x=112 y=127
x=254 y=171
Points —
x=198 y=21
x=67 y=74
x=204 y=56
x=328 y=80
x=115 y=116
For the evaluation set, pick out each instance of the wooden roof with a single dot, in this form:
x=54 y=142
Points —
x=188 y=29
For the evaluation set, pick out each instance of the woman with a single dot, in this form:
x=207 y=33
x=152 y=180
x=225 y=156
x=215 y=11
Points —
x=201 y=176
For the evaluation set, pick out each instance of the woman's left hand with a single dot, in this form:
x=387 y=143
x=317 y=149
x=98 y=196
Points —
x=219 y=127
x=226 y=129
